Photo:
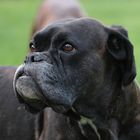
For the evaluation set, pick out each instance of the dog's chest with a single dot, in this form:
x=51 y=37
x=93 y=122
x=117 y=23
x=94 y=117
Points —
x=60 y=127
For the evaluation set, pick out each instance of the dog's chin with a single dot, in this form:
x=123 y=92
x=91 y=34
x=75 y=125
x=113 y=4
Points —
x=27 y=92
x=27 y=88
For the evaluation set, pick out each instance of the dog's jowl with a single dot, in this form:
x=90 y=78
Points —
x=85 y=72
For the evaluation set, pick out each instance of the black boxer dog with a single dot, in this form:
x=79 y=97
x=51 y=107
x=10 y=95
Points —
x=85 y=72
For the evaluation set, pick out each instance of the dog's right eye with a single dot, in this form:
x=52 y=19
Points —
x=68 y=48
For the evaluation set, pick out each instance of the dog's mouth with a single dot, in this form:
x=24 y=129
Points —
x=27 y=90
x=29 y=93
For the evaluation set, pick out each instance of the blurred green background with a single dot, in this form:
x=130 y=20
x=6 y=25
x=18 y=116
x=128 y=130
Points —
x=17 y=16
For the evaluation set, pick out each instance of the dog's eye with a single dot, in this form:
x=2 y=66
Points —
x=32 y=46
x=68 y=48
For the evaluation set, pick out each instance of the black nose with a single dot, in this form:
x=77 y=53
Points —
x=35 y=57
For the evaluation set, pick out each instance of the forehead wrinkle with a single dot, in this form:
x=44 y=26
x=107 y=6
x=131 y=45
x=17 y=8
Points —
x=65 y=37
x=60 y=36
x=44 y=37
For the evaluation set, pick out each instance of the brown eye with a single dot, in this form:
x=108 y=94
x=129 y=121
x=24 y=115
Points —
x=68 y=48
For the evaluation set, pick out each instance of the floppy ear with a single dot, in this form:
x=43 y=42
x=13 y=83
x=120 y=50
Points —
x=120 y=48
x=120 y=29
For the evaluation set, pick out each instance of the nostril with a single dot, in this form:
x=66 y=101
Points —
x=35 y=58
x=38 y=57
x=29 y=59
x=32 y=58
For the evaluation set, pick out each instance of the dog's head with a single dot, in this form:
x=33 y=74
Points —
x=74 y=62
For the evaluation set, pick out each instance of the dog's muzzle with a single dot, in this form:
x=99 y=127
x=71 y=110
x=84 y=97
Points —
x=26 y=90
x=29 y=91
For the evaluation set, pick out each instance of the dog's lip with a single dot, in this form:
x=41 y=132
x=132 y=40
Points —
x=19 y=72
x=30 y=88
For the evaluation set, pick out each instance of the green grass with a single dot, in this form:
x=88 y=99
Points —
x=16 y=18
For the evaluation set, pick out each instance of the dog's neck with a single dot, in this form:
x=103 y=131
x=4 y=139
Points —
x=109 y=123
x=90 y=129
x=94 y=127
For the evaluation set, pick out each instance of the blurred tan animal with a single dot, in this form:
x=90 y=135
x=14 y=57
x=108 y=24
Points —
x=53 y=10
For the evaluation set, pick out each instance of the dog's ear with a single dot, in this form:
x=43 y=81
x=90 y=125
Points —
x=120 y=29
x=121 y=49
